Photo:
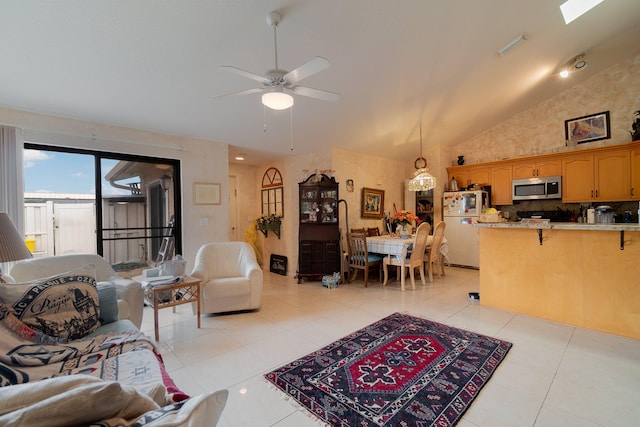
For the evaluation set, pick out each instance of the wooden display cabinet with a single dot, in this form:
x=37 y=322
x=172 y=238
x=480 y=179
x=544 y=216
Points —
x=319 y=234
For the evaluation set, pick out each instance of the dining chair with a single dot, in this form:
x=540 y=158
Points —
x=432 y=256
x=360 y=258
x=373 y=231
x=358 y=230
x=413 y=260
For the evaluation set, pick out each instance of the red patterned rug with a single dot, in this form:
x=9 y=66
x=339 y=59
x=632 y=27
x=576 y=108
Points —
x=399 y=371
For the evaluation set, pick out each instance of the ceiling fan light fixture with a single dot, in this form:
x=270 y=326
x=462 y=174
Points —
x=277 y=100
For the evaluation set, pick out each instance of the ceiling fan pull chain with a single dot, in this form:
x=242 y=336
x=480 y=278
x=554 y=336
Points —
x=291 y=128
x=264 y=118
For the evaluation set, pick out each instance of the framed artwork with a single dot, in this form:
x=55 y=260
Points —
x=206 y=193
x=372 y=203
x=350 y=185
x=587 y=128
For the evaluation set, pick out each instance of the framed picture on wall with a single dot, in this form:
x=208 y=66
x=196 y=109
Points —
x=587 y=128
x=205 y=193
x=372 y=203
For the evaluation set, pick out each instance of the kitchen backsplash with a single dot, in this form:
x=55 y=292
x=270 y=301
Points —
x=570 y=208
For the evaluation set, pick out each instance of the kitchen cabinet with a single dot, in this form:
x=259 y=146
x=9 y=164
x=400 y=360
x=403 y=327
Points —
x=635 y=173
x=602 y=176
x=461 y=176
x=501 y=188
x=480 y=176
x=465 y=176
x=319 y=233
x=533 y=169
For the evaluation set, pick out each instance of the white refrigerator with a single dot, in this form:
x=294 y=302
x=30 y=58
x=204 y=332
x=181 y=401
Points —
x=461 y=209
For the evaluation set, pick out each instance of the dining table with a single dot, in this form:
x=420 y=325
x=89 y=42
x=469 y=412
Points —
x=398 y=247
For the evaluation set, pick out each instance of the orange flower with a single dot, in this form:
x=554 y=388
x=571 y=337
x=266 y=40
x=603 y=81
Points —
x=404 y=218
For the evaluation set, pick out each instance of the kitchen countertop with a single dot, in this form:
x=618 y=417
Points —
x=562 y=226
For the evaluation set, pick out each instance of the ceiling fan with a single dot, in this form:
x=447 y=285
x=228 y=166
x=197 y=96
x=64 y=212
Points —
x=276 y=82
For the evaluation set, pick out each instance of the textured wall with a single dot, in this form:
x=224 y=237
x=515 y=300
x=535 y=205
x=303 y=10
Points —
x=540 y=129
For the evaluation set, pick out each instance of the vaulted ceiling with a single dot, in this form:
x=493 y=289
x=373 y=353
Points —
x=155 y=65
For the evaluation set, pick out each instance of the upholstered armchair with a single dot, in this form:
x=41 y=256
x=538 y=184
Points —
x=129 y=292
x=231 y=277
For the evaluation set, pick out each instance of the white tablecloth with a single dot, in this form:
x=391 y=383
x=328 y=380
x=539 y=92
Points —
x=399 y=248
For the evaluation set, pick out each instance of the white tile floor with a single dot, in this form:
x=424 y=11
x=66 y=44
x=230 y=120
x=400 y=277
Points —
x=554 y=375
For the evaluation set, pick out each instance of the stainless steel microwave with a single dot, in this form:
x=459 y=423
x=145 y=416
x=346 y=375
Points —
x=548 y=187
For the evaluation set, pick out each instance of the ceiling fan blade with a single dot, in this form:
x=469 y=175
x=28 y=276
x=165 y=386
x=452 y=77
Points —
x=307 y=69
x=242 y=92
x=316 y=93
x=247 y=74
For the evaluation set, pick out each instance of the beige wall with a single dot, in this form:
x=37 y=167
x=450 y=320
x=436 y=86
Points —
x=365 y=170
x=540 y=129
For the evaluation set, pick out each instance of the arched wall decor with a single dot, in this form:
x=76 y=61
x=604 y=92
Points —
x=272 y=193
x=272 y=202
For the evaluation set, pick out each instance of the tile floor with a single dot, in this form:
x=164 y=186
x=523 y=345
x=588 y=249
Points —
x=554 y=375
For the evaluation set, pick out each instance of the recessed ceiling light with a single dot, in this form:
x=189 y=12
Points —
x=576 y=63
x=240 y=157
x=573 y=9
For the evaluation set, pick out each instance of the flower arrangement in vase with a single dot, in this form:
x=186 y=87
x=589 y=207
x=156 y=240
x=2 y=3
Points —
x=403 y=221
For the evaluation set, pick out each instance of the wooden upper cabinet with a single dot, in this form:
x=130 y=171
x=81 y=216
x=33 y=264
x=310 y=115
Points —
x=462 y=178
x=531 y=169
x=635 y=173
x=602 y=174
x=501 y=189
x=596 y=177
x=613 y=176
x=577 y=178
x=480 y=176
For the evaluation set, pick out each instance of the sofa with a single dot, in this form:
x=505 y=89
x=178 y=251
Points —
x=231 y=279
x=69 y=357
x=129 y=293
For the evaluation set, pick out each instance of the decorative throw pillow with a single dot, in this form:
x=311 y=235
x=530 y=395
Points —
x=64 y=306
x=108 y=302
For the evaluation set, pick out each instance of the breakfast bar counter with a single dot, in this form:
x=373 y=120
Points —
x=586 y=275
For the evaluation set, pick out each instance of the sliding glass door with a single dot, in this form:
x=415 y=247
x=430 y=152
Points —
x=119 y=206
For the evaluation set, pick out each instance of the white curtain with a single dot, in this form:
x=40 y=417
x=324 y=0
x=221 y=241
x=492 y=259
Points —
x=12 y=175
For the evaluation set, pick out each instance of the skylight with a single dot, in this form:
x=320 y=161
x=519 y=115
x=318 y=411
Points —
x=573 y=9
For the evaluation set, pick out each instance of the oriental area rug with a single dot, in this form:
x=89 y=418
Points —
x=400 y=371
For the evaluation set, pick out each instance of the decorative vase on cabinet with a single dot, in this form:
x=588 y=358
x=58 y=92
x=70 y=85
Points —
x=319 y=234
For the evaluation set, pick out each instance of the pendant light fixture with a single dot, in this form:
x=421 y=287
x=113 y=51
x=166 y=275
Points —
x=422 y=180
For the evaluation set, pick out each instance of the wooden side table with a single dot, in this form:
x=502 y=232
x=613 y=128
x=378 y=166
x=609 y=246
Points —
x=186 y=291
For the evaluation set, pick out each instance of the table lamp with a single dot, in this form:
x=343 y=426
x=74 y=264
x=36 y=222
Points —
x=12 y=246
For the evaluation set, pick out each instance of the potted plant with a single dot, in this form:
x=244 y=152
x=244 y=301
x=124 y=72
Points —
x=269 y=222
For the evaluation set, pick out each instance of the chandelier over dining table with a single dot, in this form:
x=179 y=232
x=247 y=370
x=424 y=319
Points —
x=422 y=180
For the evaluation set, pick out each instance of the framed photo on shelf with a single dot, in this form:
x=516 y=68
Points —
x=206 y=193
x=587 y=128
x=372 y=203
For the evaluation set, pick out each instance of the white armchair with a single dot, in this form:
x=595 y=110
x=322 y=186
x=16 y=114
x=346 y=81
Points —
x=129 y=292
x=231 y=277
